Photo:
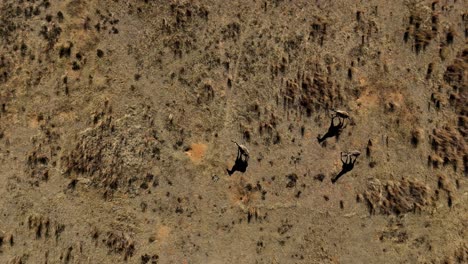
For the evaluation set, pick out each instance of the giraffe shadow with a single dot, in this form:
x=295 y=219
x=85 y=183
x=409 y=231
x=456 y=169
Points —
x=334 y=130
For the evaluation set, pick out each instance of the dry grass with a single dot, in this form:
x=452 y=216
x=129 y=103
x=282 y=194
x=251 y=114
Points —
x=397 y=197
x=111 y=156
x=448 y=146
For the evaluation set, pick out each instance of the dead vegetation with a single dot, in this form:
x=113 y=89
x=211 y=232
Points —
x=246 y=196
x=457 y=256
x=19 y=259
x=145 y=259
x=397 y=197
x=311 y=91
x=318 y=30
x=395 y=231
x=448 y=146
x=444 y=184
x=117 y=242
x=43 y=227
x=422 y=27
x=179 y=34
x=448 y=142
x=113 y=153
x=45 y=153
x=456 y=77
x=120 y=243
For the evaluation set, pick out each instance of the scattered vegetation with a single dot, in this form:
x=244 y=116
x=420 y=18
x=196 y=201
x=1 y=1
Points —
x=397 y=197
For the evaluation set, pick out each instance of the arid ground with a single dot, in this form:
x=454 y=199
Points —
x=117 y=119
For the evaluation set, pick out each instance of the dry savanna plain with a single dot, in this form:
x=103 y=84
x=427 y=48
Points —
x=117 y=122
